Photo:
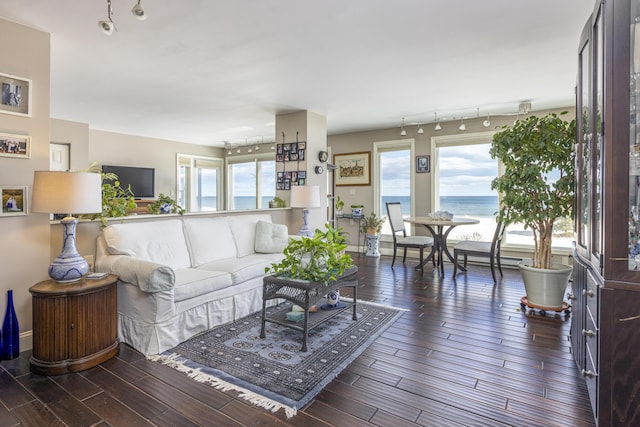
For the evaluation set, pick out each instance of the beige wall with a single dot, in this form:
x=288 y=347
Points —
x=363 y=141
x=24 y=253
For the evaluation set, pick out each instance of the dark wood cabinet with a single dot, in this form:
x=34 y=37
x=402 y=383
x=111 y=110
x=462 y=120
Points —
x=74 y=325
x=606 y=278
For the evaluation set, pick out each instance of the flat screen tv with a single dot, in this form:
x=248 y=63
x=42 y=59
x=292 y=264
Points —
x=142 y=180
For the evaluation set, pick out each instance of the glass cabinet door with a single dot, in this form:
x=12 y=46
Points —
x=634 y=138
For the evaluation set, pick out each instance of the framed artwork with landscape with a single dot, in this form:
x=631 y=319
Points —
x=15 y=95
x=353 y=168
x=14 y=200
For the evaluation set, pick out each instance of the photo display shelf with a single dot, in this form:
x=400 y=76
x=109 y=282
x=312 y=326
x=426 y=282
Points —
x=287 y=153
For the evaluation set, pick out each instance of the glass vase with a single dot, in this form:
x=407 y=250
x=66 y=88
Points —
x=10 y=332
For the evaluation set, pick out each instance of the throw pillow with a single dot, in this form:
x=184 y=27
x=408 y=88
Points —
x=271 y=238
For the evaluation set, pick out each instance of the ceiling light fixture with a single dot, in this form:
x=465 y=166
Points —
x=524 y=107
x=438 y=127
x=402 y=131
x=462 y=126
x=487 y=122
x=107 y=26
x=138 y=12
x=420 y=130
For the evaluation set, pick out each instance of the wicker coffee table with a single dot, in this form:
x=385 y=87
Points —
x=306 y=294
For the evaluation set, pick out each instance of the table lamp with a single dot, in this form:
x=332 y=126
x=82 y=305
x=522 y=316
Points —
x=73 y=193
x=305 y=197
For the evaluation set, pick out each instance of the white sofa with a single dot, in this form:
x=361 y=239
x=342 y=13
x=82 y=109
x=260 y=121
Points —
x=181 y=276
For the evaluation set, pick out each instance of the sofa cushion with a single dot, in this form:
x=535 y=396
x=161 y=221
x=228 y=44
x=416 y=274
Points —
x=193 y=282
x=241 y=269
x=162 y=242
x=243 y=228
x=271 y=238
x=209 y=239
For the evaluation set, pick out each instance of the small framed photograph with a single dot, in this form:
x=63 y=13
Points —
x=15 y=95
x=302 y=145
x=300 y=154
x=15 y=145
x=353 y=168
x=422 y=164
x=14 y=200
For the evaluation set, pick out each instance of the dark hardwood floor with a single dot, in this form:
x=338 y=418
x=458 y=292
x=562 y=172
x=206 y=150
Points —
x=463 y=354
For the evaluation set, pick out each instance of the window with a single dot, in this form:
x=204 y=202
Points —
x=394 y=180
x=463 y=171
x=251 y=183
x=199 y=183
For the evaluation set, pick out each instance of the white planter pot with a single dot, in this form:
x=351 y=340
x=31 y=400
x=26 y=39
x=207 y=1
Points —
x=372 y=245
x=545 y=288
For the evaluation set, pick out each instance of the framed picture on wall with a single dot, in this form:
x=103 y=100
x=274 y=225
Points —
x=353 y=168
x=14 y=200
x=15 y=95
x=422 y=164
x=15 y=145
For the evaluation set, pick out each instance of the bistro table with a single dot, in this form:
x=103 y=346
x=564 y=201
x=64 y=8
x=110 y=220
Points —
x=436 y=227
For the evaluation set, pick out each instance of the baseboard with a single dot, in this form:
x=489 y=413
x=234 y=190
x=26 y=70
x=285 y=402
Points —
x=26 y=341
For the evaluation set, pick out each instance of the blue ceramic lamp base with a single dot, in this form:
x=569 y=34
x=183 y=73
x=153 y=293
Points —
x=69 y=266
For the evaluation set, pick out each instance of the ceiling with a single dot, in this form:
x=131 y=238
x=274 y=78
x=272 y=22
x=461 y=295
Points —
x=204 y=71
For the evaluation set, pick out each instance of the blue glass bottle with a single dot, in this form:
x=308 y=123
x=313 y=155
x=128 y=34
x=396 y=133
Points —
x=10 y=332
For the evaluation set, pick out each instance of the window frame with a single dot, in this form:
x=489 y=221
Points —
x=386 y=146
x=190 y=189
x=257 y=159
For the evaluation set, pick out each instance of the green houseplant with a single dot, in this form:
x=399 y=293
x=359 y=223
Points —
x=165 y=204
x=537 y=190
x=117 y=201
x=339 y=205
x=320 y=258
x=372 y=224
x=277 y=202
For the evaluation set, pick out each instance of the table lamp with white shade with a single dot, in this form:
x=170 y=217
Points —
x=72 y=193
x=305 y=197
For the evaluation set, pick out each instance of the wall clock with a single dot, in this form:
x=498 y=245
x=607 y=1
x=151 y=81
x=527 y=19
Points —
x=323 y=156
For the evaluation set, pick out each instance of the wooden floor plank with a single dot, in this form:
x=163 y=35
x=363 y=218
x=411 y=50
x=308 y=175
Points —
x=463 y=354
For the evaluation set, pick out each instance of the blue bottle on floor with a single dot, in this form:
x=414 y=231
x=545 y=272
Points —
x=10 y=332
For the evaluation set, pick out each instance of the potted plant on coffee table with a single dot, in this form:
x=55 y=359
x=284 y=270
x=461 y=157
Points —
x=537 y=189
x=371 y=226
x=320 y=258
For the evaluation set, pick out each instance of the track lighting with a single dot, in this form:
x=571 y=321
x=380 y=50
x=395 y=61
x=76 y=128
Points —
x=138 y=12
x=107 y=26
x=420 y=130
x=402 y=131
x=487 y=122
x=229 y=152
x=438 y=127
x=462 y=126
x=257 y=148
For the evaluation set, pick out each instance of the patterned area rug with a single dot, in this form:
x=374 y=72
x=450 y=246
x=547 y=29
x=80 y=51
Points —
x=273 y=373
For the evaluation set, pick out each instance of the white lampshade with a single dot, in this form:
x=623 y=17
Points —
x=66 y=192
x=305 y=196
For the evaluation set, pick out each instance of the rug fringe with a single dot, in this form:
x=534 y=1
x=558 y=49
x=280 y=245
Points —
x=173 y=361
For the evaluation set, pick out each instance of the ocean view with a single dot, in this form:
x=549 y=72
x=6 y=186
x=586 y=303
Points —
x=476 y=206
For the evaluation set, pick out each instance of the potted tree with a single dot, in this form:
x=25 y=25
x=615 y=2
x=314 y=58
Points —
x=371 y=226
x=537 y=189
